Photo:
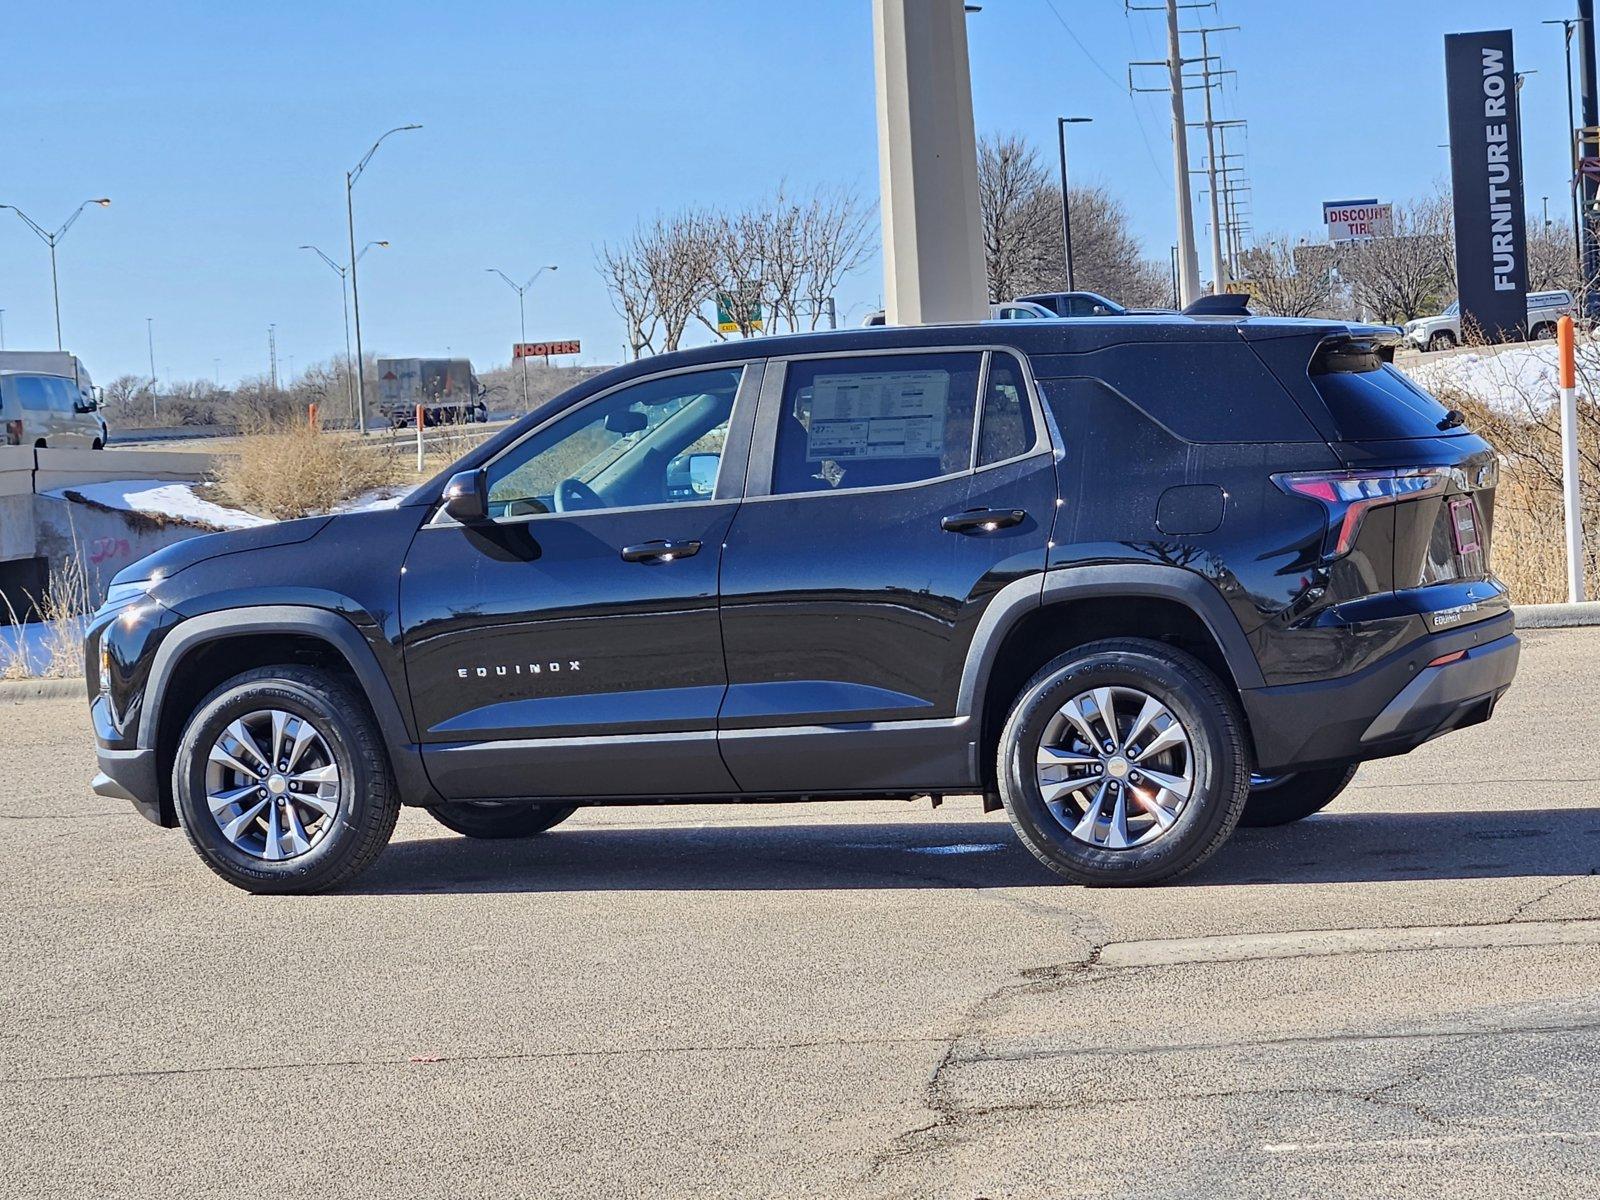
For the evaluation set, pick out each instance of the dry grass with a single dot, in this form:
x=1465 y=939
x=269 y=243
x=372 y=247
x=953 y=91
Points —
x=296 y=471
x=62 y=609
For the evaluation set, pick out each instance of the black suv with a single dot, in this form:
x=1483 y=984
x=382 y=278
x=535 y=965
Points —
x=1133 y=579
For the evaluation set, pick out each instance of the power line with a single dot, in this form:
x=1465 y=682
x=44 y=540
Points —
x=1113 y=80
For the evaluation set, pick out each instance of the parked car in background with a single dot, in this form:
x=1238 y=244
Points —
x=1444 y=331
x=1088 y=304
x=1012 y=310
x=1075 y=304
x=47 y=399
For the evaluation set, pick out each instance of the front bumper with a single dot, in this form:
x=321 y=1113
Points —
x=132 y=775
x=1389 y=708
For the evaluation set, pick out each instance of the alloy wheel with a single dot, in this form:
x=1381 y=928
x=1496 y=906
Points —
x=1115 y=767
x=272 y=784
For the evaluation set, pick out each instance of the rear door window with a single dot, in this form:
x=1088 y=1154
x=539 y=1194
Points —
x=1006 y=430
x=874 y=421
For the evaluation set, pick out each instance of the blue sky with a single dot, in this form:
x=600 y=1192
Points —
x=222 y=133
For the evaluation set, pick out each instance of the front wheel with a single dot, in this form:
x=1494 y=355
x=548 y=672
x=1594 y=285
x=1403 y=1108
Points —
x=1285 y=799
x=1443 y=340
x=484 y=819
x=282 y=782
x=1124 y=762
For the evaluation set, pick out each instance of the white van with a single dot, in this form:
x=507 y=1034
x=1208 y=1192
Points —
x=47 y=399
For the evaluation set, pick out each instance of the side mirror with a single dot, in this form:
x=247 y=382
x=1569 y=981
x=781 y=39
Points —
x=703 y=473
x=466 y=497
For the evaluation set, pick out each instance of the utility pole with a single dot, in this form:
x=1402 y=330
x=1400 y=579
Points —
x=1591 y=118
x=2 y=329
x=272 y=354
x=1219 y=271
x=150 y=342
x=1188 y=258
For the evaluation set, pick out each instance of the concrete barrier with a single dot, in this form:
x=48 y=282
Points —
x=39 y=532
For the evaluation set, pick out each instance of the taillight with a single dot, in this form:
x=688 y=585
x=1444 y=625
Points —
x=13 y=433
x=1349 y=495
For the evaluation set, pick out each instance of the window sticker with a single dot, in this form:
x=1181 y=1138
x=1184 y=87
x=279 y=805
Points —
x=884 y=414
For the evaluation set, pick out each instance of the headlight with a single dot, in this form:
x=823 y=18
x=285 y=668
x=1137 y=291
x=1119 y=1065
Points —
x=124 y=593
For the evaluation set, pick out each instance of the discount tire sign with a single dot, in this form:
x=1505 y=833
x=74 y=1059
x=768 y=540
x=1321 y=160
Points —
x=1357 y=220
x=1486 y=179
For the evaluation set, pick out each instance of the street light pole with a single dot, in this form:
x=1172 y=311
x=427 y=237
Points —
x=350 y=178
x=522 y=314
x=150 y=342
x=52 y=240
x=1066 y=209
x=1572 y=139
x=343 y=272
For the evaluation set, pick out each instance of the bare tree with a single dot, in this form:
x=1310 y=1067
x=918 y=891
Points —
x=836 y=238
x=1019 y=202
x=1407 y=274
x=1284 y=280
x=632 y=290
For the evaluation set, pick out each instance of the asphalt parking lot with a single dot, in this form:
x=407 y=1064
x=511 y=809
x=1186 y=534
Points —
x=1400 y=996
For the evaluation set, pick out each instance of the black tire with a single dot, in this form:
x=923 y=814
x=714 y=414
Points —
x=1542 y=331
x=1443 y=340
x=97 y=445
x=369 y=802
x=1220 y=761
x=1285 y=799
x=487 y=820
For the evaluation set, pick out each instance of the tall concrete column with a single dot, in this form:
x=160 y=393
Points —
x=928 y=164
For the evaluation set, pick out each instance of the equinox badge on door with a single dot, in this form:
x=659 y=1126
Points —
x=571 y=664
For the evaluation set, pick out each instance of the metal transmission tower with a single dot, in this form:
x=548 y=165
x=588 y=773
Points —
x=1188 y=258
x=1220 y=275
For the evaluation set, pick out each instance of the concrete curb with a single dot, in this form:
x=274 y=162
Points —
x=15 y=691
x=1557 y=616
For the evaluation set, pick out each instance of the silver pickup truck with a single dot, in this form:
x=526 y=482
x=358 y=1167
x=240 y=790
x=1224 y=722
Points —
x=1444 y=331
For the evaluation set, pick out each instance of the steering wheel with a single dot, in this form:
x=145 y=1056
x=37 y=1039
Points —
x=574 y=495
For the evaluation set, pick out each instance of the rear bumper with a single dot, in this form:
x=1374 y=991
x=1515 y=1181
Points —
x=1389 y=708
x=131 y=775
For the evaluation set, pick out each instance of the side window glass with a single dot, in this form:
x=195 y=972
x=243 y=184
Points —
x=31 y=393
x=655 y=442
x=62 y=394
x=874 y=421
x=1007 y=428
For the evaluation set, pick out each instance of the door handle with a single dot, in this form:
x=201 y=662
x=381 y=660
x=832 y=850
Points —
x=982 y=520
x=659 y=551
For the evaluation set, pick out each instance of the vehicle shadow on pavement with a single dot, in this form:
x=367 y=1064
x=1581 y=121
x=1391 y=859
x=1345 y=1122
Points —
x=1329 y=848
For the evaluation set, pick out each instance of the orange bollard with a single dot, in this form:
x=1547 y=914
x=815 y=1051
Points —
x=1566 y=353
x=311 y=414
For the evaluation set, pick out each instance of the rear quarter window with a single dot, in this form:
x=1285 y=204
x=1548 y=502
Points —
x=1380 y=404
x=1201 y=391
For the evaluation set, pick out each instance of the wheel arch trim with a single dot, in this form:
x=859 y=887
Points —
x=340 y=634
x=1061 y=585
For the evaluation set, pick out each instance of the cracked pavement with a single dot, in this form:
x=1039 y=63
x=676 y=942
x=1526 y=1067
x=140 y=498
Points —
x=801 y=1000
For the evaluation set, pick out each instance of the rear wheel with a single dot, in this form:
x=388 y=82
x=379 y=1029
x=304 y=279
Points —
x=1542 y=331
x=1124 y=762
x=1284 y=799
x=484 y=819
x=282 y=782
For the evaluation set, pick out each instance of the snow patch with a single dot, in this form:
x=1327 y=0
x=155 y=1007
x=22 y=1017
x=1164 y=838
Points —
x=1517 y=380
x=163 y=498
